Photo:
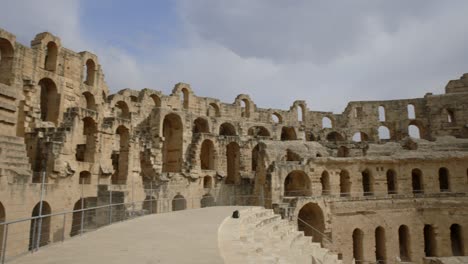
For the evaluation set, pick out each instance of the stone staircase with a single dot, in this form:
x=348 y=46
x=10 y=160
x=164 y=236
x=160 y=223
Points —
x=14 y=162
x=260 y=236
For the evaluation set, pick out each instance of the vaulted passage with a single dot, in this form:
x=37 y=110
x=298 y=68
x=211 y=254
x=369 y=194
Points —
x=325 y=182
x=90 y=70
x=416 y=181
x=172 y=146
x=380 y=250
x=233 y=163
x=358 y=249
x=288 y=133
x=6 y=61
x=444 y=184
x=456 y=240
x=90 y=101
x=120 y=157
x=345 y=184
x=179 y=203
x=391 y=182
x=227 y=129
x=404 y=242
x=200 y=125
x=83 y=220
x=255 y=154
x=297 y=183
x=85 y=152
x=207 y=155
x=367 y=183
x=42 y=238
x=49 y=101
x=429 y=241
x=311 y=221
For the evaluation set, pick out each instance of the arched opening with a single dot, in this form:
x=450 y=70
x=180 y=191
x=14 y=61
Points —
x=380 y=250
x=150 y=205
x=85 y=152
x=416 y=181
x=255 y=153
x=343 y=152
x=367 y=183
x=85 y=177
x=90 y=102
x=288 y=133
x=259 y=131
x=456 y=239
x=207 y=155
x=325 y=182
x=450 y=116
x=300 y=113
x=2 y=219
x=200 y=125
x=345 y=184
x=39 y=232
x=245 y=108
x=120 y=156
x=358 y=249
x=429 y=241
x=6 y=61
x=404 y=243
x=134 y=99
x=391 y=182
x=276 y=118
x=334 y=137
x=227 y=129
x=83 y=220
x=213 y=110
x=50 y=62
x=382 y=117
x=122 y=110
x=49 y=101
x=207 y=182
x=384 y=133
x=414 y=132
x=172 y=145
x=311 y=221
x=179 y=203
x=310 y=136
x=411 y=112
x=156 y=100
x=207 y=201
x=297 y=183
x=233 y=163
x=185 y=98
x=360 y=137
x=444 y=182
x=292 y=156
x=327 y=123
x=90 y=72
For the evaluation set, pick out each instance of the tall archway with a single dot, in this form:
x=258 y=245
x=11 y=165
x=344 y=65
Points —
x=50 y=62
x=245 y=107
x=311 y=221
x=172 y=146
x=49 y=101
x=156 y=100
x=391 y=182
x=325 y=182
x=345 y=184
x=429 y=241
x=6 y=61
x=380 y=250
x=85 y=152
x=288 y=133
x=297 y=183
x=39 y=232
x=227 y=129
x=213 y=110
x=358 y=247
x=200 y=125
x=384 y=133
x=417 y=181
x=207 y=201
x=122 y=110
x=456 y=240
x=207 y=155
x=255 y=153
x=233 y=163
x=179 y=203
x=185 y=98
x=327 y=122
x=120 y=158
x=367 y=183
x=404 y=242
x=444 y=181
x=90 y=72
x=90 y=102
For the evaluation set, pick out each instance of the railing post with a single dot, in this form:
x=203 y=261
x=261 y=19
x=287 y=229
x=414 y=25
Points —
x=110 y=207
x=82 y=216
x=33 y=239
x=4 y=242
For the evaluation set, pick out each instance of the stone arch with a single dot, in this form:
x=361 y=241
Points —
x=288 y=133
x=156 y=100
x=367 y=183
x=297 y=183
x=276 y=118
x=444 y=180
x=207 y=201
x=411 y=111
x=311 y=221
x=49 y=101
x=207 y=155
x=334 y=137
x=50 y=61
x=380 y=249
x=179 y=203
x=404 y=241
x=300 y=108
x=258 y=131
x=382 y=115
x=185 y=98
x=414 y=130
x=245 y=107
x=90 y=71
x=172 y=145
x=120 y=158
x=345 y=183
x=360 y=137
x=417 y=181
x=342 y=152
x=255 y=154
x=200 y=125
x=227 y=129
x=213 y=110
x=6 y=61
x=2 y=219
x=122 y=110
x=85 y=177
x=90 y=101
x=39 y=232
x=150 y=204
x=391 y=182
x=292 y=156
x=325 y=182
x=430 y=245
x=358 y=247
x=450 y=116
x=207 y=182
x=85 y=152
x=327 y=122
x=384 y=133
x=233 y=163
x=456 y=240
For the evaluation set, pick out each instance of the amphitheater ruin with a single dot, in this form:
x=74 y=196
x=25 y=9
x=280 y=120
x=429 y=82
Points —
x=381 y=182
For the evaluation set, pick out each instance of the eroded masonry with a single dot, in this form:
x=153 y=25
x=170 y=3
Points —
x=359 y=178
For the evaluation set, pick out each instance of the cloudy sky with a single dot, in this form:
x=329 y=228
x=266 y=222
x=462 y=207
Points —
x=325 y=52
